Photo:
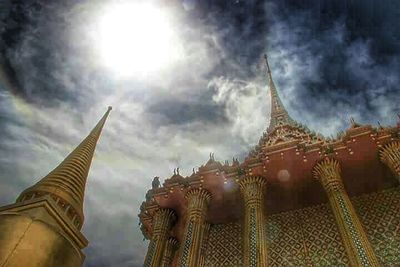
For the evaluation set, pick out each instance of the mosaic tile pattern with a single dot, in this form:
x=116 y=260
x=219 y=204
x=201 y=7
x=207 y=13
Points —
x=284 y=240
x=310 y=237
x=321 y=237
x=380 y=216
x=225 y=245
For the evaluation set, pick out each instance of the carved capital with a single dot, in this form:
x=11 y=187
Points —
x=252 y=188
x=198 y=200
x=195 y=229
x=162 y=221
x=328 y=172
x=390 y=155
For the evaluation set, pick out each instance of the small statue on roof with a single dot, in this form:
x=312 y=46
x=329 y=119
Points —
x=156 y=182
x=354 y=124
x=148 y=196
x=212 y=156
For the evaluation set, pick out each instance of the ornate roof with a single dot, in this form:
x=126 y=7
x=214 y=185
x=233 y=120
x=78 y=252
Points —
x=285 y=156
x=282 y=128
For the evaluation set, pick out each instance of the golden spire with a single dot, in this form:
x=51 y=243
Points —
x=66 y=183
x=279 y=115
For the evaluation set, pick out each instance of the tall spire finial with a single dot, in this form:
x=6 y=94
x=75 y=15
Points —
x=67 y=182
x=268 y=69
x=398 y=122
x=266 y=62
x=279 y=115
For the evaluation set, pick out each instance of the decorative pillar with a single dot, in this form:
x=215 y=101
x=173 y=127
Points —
x=162 y=223
x=169 y=252
x=255 y=238
x=390 y=155
x=355 y=240
x=190 y=250
x=204 y=245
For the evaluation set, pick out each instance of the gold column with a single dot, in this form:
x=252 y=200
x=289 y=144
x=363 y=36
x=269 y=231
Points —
x=390 y=155
x=204 y=245
x=162 y=222
x=169 y=252
x=254 y=246
x=190 y=250
x=356 y=243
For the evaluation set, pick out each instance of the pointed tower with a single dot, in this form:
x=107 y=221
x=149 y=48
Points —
x=66 y=183
x=282 y=128
x=279 y=115
x=43 y=227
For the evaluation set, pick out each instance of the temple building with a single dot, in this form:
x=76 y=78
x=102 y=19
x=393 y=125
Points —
x=297 y=199
x=43 y=227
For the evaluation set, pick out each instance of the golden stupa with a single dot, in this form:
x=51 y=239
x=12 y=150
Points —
x=43 y=227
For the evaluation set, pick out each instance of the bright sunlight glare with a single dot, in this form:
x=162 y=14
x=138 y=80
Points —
x=137 y=38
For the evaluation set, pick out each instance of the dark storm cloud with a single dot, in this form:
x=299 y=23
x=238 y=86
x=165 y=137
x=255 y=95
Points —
x=336 y=59
x=330 y=60
x=20 y=33
x=240 y=26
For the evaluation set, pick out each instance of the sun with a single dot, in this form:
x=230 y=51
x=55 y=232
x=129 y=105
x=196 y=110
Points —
x=137 y=39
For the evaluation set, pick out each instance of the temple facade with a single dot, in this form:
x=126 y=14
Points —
x=42 y=228
x=297 y=199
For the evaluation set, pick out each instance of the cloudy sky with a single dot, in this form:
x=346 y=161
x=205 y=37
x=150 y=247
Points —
x=184 y=79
